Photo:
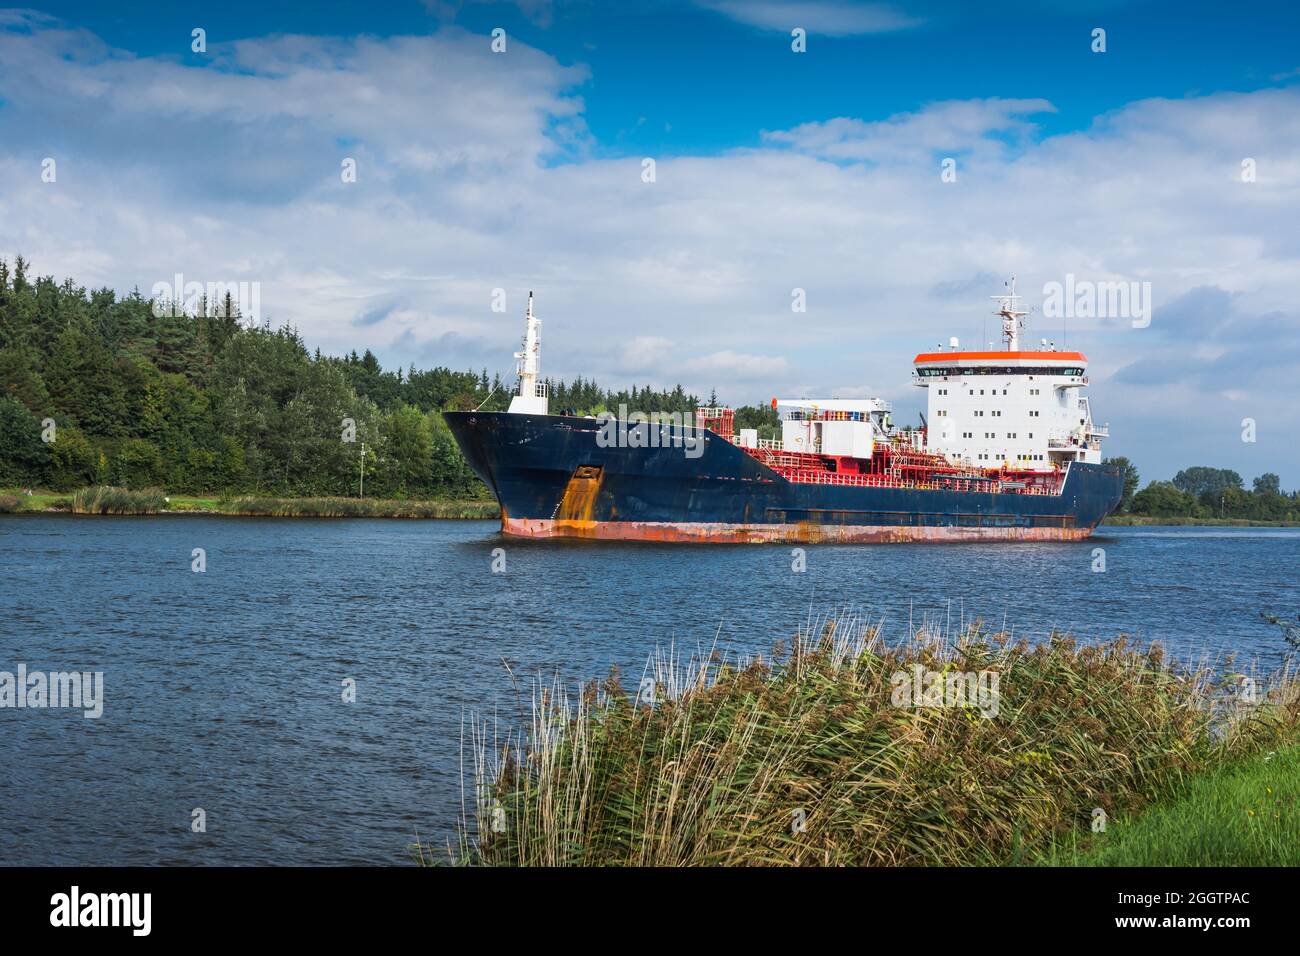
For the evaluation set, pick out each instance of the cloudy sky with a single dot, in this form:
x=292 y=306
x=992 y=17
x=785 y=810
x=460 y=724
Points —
x=1172 y=158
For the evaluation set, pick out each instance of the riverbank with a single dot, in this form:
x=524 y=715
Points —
x=849 y=751
x=1146 y=520
x=1242 y=814
x=118 y=501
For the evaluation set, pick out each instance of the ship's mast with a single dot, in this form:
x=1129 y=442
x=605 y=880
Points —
x=532 y=397
x=529 y=361
x=1011 y=316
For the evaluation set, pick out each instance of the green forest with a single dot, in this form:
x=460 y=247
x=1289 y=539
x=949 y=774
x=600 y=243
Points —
x=1205 y=492
x=101 y=390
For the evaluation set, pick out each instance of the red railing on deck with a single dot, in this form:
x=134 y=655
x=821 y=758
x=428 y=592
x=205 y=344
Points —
x=899 y=465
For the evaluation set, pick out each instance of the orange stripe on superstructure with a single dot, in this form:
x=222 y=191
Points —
x=988 y=356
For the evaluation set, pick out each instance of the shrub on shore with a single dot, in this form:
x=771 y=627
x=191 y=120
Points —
x=108 y=500
x=358 y=508
x=1147 y=520
x=812 y=760
x=102 y=500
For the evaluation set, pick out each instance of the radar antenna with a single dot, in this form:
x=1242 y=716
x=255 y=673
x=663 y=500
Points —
x=1012 y=317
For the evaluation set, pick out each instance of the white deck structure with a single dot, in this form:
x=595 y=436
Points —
x=833 y=426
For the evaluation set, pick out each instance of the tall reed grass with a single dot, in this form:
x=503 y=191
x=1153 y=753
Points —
x=805 y=759
x=357 y=508
x=104 y=500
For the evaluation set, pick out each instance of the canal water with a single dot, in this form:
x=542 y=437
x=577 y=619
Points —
x=223 y=690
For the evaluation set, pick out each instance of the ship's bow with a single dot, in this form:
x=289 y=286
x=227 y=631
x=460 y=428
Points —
x=472 y=437
x=526 y=460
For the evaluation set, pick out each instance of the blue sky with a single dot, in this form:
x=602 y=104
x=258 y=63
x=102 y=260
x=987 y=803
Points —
x=775 y=171
x=704 y=76
x=681 y=76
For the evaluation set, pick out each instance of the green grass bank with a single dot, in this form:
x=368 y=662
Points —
x=121 y=501
x=1246 y=813
x=1145 y=520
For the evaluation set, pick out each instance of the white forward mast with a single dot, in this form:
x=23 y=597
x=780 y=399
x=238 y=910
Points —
x=532 y=396
x=1012 y=317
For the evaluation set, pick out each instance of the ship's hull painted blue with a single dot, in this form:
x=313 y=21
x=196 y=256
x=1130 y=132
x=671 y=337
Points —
x=553 y=478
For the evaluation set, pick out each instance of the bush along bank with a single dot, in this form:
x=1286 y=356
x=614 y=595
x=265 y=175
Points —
x=978 y=750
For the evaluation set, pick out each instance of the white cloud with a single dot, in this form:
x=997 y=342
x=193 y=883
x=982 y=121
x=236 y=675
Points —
x=475 y=172
x=736 y=366
x=829 y=17
x=648 y=354
x=979 y=127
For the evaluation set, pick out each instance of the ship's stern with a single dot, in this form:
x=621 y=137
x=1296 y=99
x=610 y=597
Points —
x=1095 y=491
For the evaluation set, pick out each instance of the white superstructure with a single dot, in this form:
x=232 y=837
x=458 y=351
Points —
x=833 y=426
x=532 y=397
x=1016 y=409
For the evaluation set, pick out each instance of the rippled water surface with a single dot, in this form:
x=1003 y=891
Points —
x=223 y=689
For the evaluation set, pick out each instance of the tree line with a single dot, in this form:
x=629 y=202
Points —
x=1205 y=492
x=101 y=389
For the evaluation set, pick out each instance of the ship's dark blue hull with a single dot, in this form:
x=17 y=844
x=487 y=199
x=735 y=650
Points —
x=553 y=478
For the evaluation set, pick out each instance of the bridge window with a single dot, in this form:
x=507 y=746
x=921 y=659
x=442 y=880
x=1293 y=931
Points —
x=999 y=370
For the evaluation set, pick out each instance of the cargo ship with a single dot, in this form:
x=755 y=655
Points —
x=1007 y=451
